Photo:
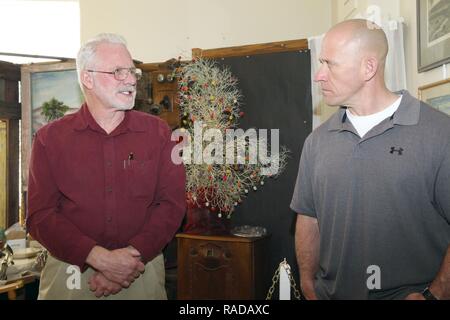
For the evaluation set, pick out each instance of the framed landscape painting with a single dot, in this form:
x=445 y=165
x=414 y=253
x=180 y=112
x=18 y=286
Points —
x=437 y=95
x=49 y=91
x=433 y=33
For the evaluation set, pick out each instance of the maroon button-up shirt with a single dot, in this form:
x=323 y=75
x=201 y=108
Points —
x=87 y=187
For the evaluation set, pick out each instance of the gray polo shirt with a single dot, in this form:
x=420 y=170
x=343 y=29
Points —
x=382 y=200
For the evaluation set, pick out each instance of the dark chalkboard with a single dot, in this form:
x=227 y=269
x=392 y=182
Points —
x=277 y=95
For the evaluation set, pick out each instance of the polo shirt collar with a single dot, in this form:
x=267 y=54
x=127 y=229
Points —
x=407 y=114
x=84 y=120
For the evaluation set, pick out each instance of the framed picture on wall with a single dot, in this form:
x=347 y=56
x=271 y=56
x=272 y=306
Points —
x=433 y=33
x=437 y=95
x=49 y=91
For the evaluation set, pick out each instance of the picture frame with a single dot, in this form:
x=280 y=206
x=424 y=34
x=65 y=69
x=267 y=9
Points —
x=41 y=82
x=437 y=95
x=433 y=34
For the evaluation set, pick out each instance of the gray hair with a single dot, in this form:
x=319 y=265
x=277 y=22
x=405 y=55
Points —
x=86 y=54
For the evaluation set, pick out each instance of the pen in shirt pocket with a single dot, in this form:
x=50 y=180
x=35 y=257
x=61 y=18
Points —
x=128 y=161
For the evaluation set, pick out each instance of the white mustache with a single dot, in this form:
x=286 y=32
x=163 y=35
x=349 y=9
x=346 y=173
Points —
x=132 y=90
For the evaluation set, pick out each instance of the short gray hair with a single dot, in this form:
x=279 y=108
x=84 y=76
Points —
x=87 y=51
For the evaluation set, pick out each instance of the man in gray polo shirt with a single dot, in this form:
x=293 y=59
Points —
x=373 y=187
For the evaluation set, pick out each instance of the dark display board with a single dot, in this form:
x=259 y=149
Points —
x=276 y=91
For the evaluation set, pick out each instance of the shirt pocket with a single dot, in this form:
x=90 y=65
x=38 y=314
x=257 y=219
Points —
x=142 y=176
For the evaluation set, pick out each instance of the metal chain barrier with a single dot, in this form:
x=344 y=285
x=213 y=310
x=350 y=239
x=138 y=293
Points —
x=276 y=279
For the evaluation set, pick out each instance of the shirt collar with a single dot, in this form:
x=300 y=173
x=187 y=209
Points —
x=407 y=113
x=84 y=120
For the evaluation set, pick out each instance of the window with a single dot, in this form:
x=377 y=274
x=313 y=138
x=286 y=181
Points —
x=37 y=27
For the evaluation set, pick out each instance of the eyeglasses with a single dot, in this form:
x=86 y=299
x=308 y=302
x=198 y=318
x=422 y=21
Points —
x=121 y=74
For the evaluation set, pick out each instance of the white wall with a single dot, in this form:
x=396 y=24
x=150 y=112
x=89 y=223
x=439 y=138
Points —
x=393 y=9
x=158 y=30
x=39 y=27
x=344 y=9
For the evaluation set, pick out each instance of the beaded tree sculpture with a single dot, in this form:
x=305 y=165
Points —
x=223 y=174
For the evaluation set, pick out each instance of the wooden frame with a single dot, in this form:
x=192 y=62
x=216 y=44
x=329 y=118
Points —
x=4 y=149
x=265 y=48
x=437 y=95
x=28 y=73
x=10 y=112
x=433 y=34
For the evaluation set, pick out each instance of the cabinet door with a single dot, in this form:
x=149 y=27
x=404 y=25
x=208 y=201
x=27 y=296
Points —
x=215 y=270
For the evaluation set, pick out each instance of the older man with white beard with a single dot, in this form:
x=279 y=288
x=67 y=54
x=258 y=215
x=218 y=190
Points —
x=103 y=192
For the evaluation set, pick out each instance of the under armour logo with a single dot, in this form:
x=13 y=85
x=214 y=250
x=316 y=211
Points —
x=399 y=151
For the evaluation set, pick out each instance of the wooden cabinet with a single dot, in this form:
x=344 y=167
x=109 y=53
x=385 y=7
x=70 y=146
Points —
x=157 y=92
x=221 y=267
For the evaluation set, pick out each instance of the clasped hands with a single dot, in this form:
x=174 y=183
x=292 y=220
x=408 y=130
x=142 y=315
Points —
x=115 y=269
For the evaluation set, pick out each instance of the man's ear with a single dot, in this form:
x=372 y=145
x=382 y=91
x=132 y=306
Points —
x=86 y=79
x=370 y=67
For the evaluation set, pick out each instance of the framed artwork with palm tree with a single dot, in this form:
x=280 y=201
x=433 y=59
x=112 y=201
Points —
x=49 y=91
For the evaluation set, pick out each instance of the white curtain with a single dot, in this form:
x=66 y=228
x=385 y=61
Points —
x=395 y=74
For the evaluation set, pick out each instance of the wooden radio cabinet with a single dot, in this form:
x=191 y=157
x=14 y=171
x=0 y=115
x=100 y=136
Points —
x=221 y=267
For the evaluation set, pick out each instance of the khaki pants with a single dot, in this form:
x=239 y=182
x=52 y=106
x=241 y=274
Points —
x=58 y=282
